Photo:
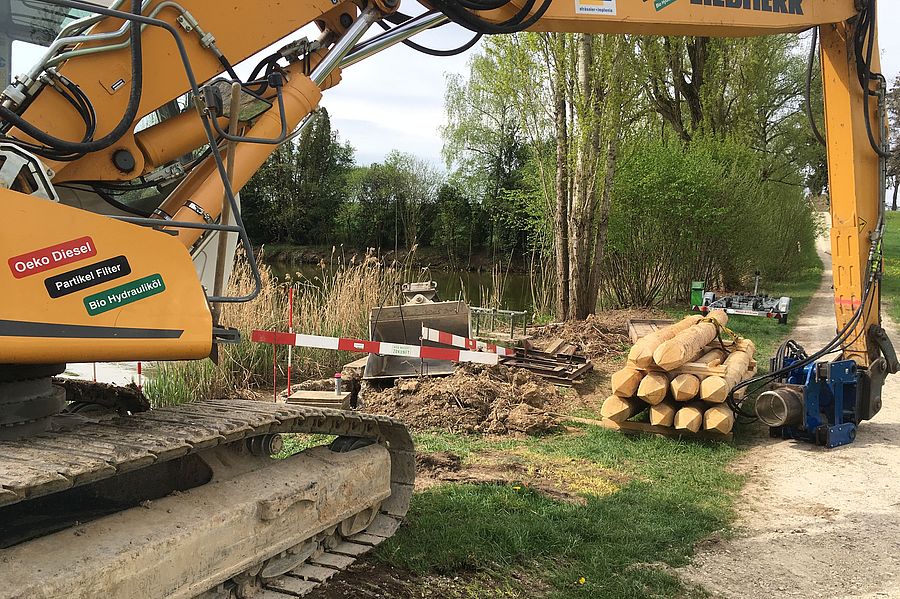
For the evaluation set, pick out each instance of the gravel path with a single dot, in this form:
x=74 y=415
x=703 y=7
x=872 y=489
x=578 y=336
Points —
x=815 y=522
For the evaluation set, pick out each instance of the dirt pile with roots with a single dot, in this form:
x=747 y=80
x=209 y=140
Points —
x=474 y=399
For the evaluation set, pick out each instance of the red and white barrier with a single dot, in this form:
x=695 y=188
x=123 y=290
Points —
x=374 y=347
x=436 y=336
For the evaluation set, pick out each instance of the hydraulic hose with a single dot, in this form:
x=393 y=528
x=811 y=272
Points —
x=134 y=101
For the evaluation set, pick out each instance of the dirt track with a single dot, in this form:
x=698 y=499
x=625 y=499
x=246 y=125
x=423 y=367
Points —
x=815 y=522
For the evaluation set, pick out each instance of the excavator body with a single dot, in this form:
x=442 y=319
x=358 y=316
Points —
x=130 y=98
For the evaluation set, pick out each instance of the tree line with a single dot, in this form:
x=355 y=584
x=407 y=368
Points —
x=623 y=166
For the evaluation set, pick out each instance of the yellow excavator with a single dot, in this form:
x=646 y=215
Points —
x=122 y=154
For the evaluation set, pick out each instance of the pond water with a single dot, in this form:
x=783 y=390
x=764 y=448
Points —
x=472 y=286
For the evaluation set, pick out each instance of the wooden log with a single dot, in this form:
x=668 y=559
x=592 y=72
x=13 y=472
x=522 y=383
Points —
x=715 y=389
x=685 y=387
x=663 y=414
x=626 y=381
x=620 y=409
x=641 y=354
x=690 y=417
x=679 y=350
x=718 y=418
x=653 y=388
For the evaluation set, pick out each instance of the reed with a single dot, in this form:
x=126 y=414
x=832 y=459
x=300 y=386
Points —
x=335 y=302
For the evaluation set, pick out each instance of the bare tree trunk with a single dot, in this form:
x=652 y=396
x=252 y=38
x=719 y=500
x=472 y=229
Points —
x=896 y=190
x=560 y=223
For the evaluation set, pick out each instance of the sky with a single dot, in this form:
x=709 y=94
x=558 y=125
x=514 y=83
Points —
x=395 y=99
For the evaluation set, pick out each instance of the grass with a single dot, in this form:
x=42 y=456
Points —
x=890 y=288
x=676 y=494
x=618 y=544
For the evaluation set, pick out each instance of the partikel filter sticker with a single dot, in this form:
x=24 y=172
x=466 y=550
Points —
x=87 y=276
x=124 y=294
x=661 y=4
x=595 y=7
x=52 y=257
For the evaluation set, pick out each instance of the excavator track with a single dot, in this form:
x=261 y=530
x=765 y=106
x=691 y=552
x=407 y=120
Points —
x=93 y=452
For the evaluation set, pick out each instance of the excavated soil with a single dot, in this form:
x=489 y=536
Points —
x=474 y=399
x=600 y=337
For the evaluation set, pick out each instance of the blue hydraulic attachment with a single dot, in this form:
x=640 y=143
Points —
x=825 y=398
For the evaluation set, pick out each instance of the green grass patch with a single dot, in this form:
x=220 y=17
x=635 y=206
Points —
x=674 y=494
x=890 y=287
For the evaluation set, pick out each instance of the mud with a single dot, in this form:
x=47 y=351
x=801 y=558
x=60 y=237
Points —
x=475 y=399
x=366 y=579
x=560 y=479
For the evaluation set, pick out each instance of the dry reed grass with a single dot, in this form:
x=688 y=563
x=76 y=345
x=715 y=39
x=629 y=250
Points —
x=335 y=303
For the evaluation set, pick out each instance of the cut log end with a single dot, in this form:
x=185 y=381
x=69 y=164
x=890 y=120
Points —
x=719 y=418
x=626 y=381
x=620 y=409
x=653 y=388
x=663 y=414
x=689 y=418
x=714 y=389
x=685 y=387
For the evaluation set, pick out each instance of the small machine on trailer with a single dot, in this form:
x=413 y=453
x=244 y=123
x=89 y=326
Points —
x=744 y=304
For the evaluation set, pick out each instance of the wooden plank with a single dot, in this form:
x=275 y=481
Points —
x=632 y=427
x=638 y=328
x=554 y=346
x=319 y=395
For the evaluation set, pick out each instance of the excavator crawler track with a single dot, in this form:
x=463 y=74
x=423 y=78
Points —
x=90 y=452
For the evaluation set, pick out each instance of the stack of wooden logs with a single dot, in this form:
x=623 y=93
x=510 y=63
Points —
x=683 y=374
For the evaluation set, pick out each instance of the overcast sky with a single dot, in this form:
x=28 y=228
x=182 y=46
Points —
x=394 y=100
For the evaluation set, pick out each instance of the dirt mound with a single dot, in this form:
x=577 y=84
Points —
x=599 y=336
x=475 y=398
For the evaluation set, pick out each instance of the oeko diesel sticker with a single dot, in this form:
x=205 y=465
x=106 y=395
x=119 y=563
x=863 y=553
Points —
x=52 y=257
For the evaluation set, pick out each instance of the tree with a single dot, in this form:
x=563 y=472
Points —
x=893 y=165
x=296 y=195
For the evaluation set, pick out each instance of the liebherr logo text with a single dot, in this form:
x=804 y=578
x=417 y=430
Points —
x=788 y=7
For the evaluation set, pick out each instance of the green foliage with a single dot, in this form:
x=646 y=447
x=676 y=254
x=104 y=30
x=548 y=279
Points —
x=670 y=495
x=695 y=212
x=295 y=196
x=393 y=203
x=891 y=283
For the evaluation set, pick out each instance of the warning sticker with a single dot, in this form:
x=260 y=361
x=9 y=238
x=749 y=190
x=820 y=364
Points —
x=52 y=257
x=595 y=7
x=87 y=276
x=124 y=294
